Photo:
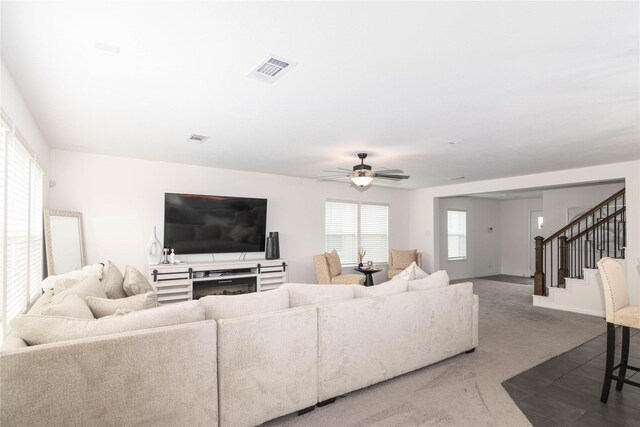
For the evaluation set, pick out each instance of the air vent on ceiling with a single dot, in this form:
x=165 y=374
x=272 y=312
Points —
x=271 y=69
x=198 y=139
x=457 y=178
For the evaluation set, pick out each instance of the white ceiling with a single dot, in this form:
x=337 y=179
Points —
x=536 y=192
x=522 y=87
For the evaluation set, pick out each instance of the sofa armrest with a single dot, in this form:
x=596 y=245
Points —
x=267 y=365
x=161 y=376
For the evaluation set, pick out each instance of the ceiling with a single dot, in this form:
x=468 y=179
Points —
x=537 y=192
x=521 y=87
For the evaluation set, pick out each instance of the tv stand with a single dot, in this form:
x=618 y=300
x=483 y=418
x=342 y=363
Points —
x=192 y=280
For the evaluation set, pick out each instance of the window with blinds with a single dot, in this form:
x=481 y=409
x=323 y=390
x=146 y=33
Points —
x=457 y=234
x=351 y=225
x=21 y=231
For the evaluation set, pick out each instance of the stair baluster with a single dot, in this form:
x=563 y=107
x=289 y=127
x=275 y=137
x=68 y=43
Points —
x=580 y=244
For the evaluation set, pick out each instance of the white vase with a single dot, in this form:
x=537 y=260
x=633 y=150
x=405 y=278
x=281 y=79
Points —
x=153 y=250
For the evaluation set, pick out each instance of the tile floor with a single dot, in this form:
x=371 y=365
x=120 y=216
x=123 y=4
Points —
x=565 y=390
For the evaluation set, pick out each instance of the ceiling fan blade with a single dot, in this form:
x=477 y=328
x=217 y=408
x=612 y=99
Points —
x=387 y=171
x=386 y=176
x=332 y=176
x=336 y=179
x=338 y=170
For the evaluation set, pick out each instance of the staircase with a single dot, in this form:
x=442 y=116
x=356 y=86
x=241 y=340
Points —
x=566 y=276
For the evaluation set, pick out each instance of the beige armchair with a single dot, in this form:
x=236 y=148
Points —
x=399 y=260
x=329 y=271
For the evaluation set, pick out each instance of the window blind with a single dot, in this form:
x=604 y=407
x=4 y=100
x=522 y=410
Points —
x=3 y=147
x=350 y=225
x=341 y=230
x=374 y=232
x=21 y=231
x=457 y=234
x=17 y=223
x=36 y=232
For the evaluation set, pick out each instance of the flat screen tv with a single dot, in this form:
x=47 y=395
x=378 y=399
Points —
x=198 y=224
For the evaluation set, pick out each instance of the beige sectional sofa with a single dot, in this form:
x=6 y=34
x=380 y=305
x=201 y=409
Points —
x=241 y=361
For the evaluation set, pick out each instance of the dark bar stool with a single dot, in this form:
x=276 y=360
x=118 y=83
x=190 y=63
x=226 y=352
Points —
x=619 y=313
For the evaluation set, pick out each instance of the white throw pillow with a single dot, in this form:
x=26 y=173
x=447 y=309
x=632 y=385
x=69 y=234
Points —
x=411 y=273
x=393 y=286
x=68 y=305
x=50 y=281
x=301 y=294
x=36 y=330
x=101 y=307
x=228 y=306
x=94 y=270
x=89 y=270
x=438 y=279
x=83 y=287
x=135 y=283
x=112 y=281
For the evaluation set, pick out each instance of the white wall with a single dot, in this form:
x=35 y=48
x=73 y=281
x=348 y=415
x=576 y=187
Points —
x=121 y=199
x=515 y=240
x=14 y=106
x=557 y=201
x=483 y=246
x=423 y=204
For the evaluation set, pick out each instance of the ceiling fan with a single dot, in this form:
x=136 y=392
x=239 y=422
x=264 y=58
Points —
x=362 y=174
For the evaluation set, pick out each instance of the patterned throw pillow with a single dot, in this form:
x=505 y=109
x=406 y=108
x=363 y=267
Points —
x=68 y=305
x=112 y=281
x=333 y=259
x=81 y=286
x=101 y=307
x=403 y=259
x=135 y=283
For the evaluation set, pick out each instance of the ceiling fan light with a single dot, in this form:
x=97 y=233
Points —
x=361 y=181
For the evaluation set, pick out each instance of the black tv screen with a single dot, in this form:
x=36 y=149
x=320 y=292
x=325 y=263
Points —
x=197 y=224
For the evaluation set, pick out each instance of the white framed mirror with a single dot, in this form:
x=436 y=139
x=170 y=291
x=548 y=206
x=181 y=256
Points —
x=63 y=241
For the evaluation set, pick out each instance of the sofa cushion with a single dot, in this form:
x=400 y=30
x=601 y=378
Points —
x=47 y=329
x=229 y=306
x=438 y=279
x=301 y=294
x=101 y=307
x=68 y=305
x=81 y=286
x=277 y=370
x=368 y=340
x=135 y=283
x=112 y=281
x=403 y=259
x=391 y=287
x=333 y=260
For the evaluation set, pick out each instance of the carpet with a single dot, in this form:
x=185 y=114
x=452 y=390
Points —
x=466 y=390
